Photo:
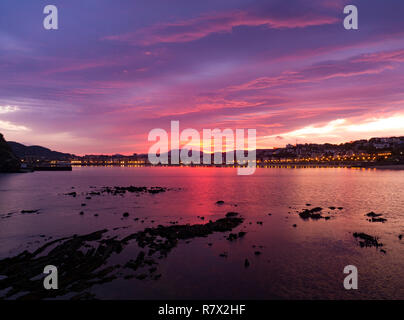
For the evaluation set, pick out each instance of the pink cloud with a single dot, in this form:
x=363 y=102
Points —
x=366 y=64
x=389 y=56
x=204 y=25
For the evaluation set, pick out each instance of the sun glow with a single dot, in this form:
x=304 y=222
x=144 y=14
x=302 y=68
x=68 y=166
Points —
x=341 y=130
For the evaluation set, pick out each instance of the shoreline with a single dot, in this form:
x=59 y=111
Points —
x=274 y=166
x=286 y=166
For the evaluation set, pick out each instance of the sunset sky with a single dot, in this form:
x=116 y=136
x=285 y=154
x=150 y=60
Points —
x=116 y=69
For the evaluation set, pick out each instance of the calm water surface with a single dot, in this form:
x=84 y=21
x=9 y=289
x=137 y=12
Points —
x=303 y=262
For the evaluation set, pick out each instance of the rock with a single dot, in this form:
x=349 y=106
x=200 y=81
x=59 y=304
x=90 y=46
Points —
x=132 y=189
x=367 y=240
x=294 y=226
x=311 y=214
x=331 y=208
x=246 y=263
x=173 y=233
x=81 y=213
x=157 y=276
x=8 y=161
x=125 y=214
x=231 y=214
x=373 y=215
x=141 y=276
x=400 y=236
x=257 y=253
x=73 y=194
x=82 y=268
x=219 y=202
x=84 y=259
x=232 y=236
x=29 y=211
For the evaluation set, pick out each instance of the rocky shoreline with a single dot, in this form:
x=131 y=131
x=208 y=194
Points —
x=9 y=163
x=83 y=260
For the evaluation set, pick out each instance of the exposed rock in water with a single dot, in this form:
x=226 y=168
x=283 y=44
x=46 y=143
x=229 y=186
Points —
x=375 y=217
x=8 y=161
x=231 y=214
x=173 y=233
x=232 y=236
x=235 y=236
x=378 y=220
x=29 y=211
x=83 y=260
x=73 y=194
x=312 y=214
x=366 y=240
x=81 y=269
x=132 y=189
